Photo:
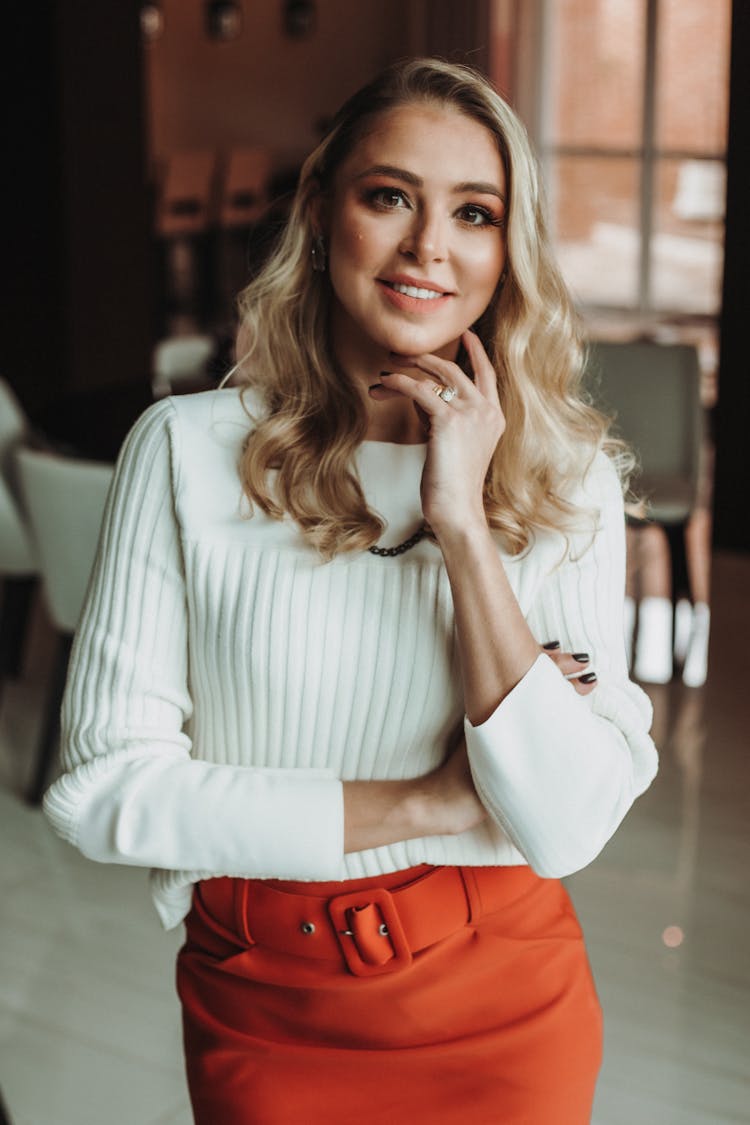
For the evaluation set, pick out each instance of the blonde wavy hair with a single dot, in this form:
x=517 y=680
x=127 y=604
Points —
x=313 y=417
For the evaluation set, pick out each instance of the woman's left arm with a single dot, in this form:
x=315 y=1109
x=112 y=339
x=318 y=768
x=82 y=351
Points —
x=558 y=771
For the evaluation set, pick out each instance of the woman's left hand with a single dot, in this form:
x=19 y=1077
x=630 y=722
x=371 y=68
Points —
x=462 y=434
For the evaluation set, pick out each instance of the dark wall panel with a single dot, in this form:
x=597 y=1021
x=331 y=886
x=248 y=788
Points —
x=78 y=309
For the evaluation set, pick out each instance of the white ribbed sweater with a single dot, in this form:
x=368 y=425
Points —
x=224 y=680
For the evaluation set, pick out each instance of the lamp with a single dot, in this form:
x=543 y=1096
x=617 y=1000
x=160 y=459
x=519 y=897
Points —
x=299 y=18
x=152 y=21
x=223 y=20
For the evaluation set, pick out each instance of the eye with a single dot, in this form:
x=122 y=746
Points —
x=387 y=198
x=476 y=216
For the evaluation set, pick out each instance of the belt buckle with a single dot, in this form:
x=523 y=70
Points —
x=339 y=911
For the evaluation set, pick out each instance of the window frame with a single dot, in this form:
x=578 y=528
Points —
x=532 y=94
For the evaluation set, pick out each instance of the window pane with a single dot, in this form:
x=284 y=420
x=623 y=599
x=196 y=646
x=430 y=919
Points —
x=688 y=239
x=693 y=75
x=596 y=56
x=595 y=220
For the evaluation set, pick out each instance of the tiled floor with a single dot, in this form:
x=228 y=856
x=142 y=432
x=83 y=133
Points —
x=89 y=1024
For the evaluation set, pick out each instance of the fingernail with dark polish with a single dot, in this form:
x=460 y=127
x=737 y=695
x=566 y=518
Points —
x=551 y=644
x=589 y=678
x=581 y=657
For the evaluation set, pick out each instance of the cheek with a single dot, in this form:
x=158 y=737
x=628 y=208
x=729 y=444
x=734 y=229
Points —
x=486 y=264
x=349 y=249
x=360 y=239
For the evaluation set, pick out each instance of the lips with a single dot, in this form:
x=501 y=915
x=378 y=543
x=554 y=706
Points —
x=414 y=296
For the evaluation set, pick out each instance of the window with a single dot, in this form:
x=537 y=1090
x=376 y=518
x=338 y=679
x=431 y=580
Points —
x=627 y=104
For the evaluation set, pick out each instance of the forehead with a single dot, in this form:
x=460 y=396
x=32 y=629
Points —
x=431 y=139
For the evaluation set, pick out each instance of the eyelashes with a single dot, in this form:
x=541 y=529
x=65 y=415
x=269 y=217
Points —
x=488 y=219
x=387 y=199
x=472 y=215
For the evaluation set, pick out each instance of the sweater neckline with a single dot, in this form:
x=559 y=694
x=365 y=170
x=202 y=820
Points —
x=390 y=474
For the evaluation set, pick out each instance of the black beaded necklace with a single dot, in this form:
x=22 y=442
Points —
x=390 y=552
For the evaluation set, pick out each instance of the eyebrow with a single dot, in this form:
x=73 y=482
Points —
x=481 y=187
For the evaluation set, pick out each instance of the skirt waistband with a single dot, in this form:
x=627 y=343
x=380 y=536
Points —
x=372 y=926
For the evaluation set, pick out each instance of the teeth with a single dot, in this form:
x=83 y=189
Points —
x=412 y=291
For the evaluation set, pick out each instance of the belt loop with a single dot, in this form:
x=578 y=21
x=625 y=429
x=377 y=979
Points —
x=241 y=898
x=473 y=897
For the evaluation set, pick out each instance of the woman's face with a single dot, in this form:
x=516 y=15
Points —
x=415 y=236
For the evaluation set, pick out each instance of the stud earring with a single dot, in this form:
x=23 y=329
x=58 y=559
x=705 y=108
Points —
x=318 y=254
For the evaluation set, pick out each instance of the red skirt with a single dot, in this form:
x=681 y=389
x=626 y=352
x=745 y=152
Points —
x=435 y=996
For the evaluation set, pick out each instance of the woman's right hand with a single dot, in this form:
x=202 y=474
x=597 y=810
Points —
x=454 y=803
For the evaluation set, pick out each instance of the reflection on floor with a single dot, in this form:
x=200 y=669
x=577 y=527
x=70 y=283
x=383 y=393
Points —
x=89 y=1024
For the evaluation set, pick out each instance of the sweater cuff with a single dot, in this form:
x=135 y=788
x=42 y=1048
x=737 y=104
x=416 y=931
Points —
x=303 y=834
x=533 y=701
x=181 y=814
x=521 y=762
x=509 y=746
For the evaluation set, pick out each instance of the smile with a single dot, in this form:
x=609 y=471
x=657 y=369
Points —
x=413 y=291
x=413 y=299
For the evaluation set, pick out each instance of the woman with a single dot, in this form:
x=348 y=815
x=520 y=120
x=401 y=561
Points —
x=309 y=686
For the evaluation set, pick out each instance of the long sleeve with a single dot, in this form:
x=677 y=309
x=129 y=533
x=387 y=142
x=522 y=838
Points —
x=132 y=793
x=558 y=771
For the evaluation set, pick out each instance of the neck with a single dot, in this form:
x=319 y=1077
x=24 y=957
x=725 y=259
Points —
x=394 y=420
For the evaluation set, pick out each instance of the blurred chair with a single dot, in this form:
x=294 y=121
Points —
x=243 y=204
x=653 y=390
x=18 y=561
x=245 y=186
x=65 y=500
x=185 y=218
x=186 y=193
x=180 y=364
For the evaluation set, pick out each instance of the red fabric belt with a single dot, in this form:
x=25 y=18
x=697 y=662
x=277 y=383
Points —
x=374 y=928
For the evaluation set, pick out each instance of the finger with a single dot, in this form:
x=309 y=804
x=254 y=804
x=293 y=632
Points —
x=445 y=371
x=571 y=664
x=420 y=391
x=485 y=376
x=585 y=684
x=484 y=384
x=380 y=392
x=553 y=650
x=575 y=667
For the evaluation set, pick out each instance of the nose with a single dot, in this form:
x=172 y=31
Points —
x=427 y=238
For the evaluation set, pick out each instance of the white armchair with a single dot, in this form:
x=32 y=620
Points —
x=179 y=363
x=18 y=561
x=65 y=500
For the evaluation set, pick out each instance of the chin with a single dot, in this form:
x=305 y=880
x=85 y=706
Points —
x=420 y=341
